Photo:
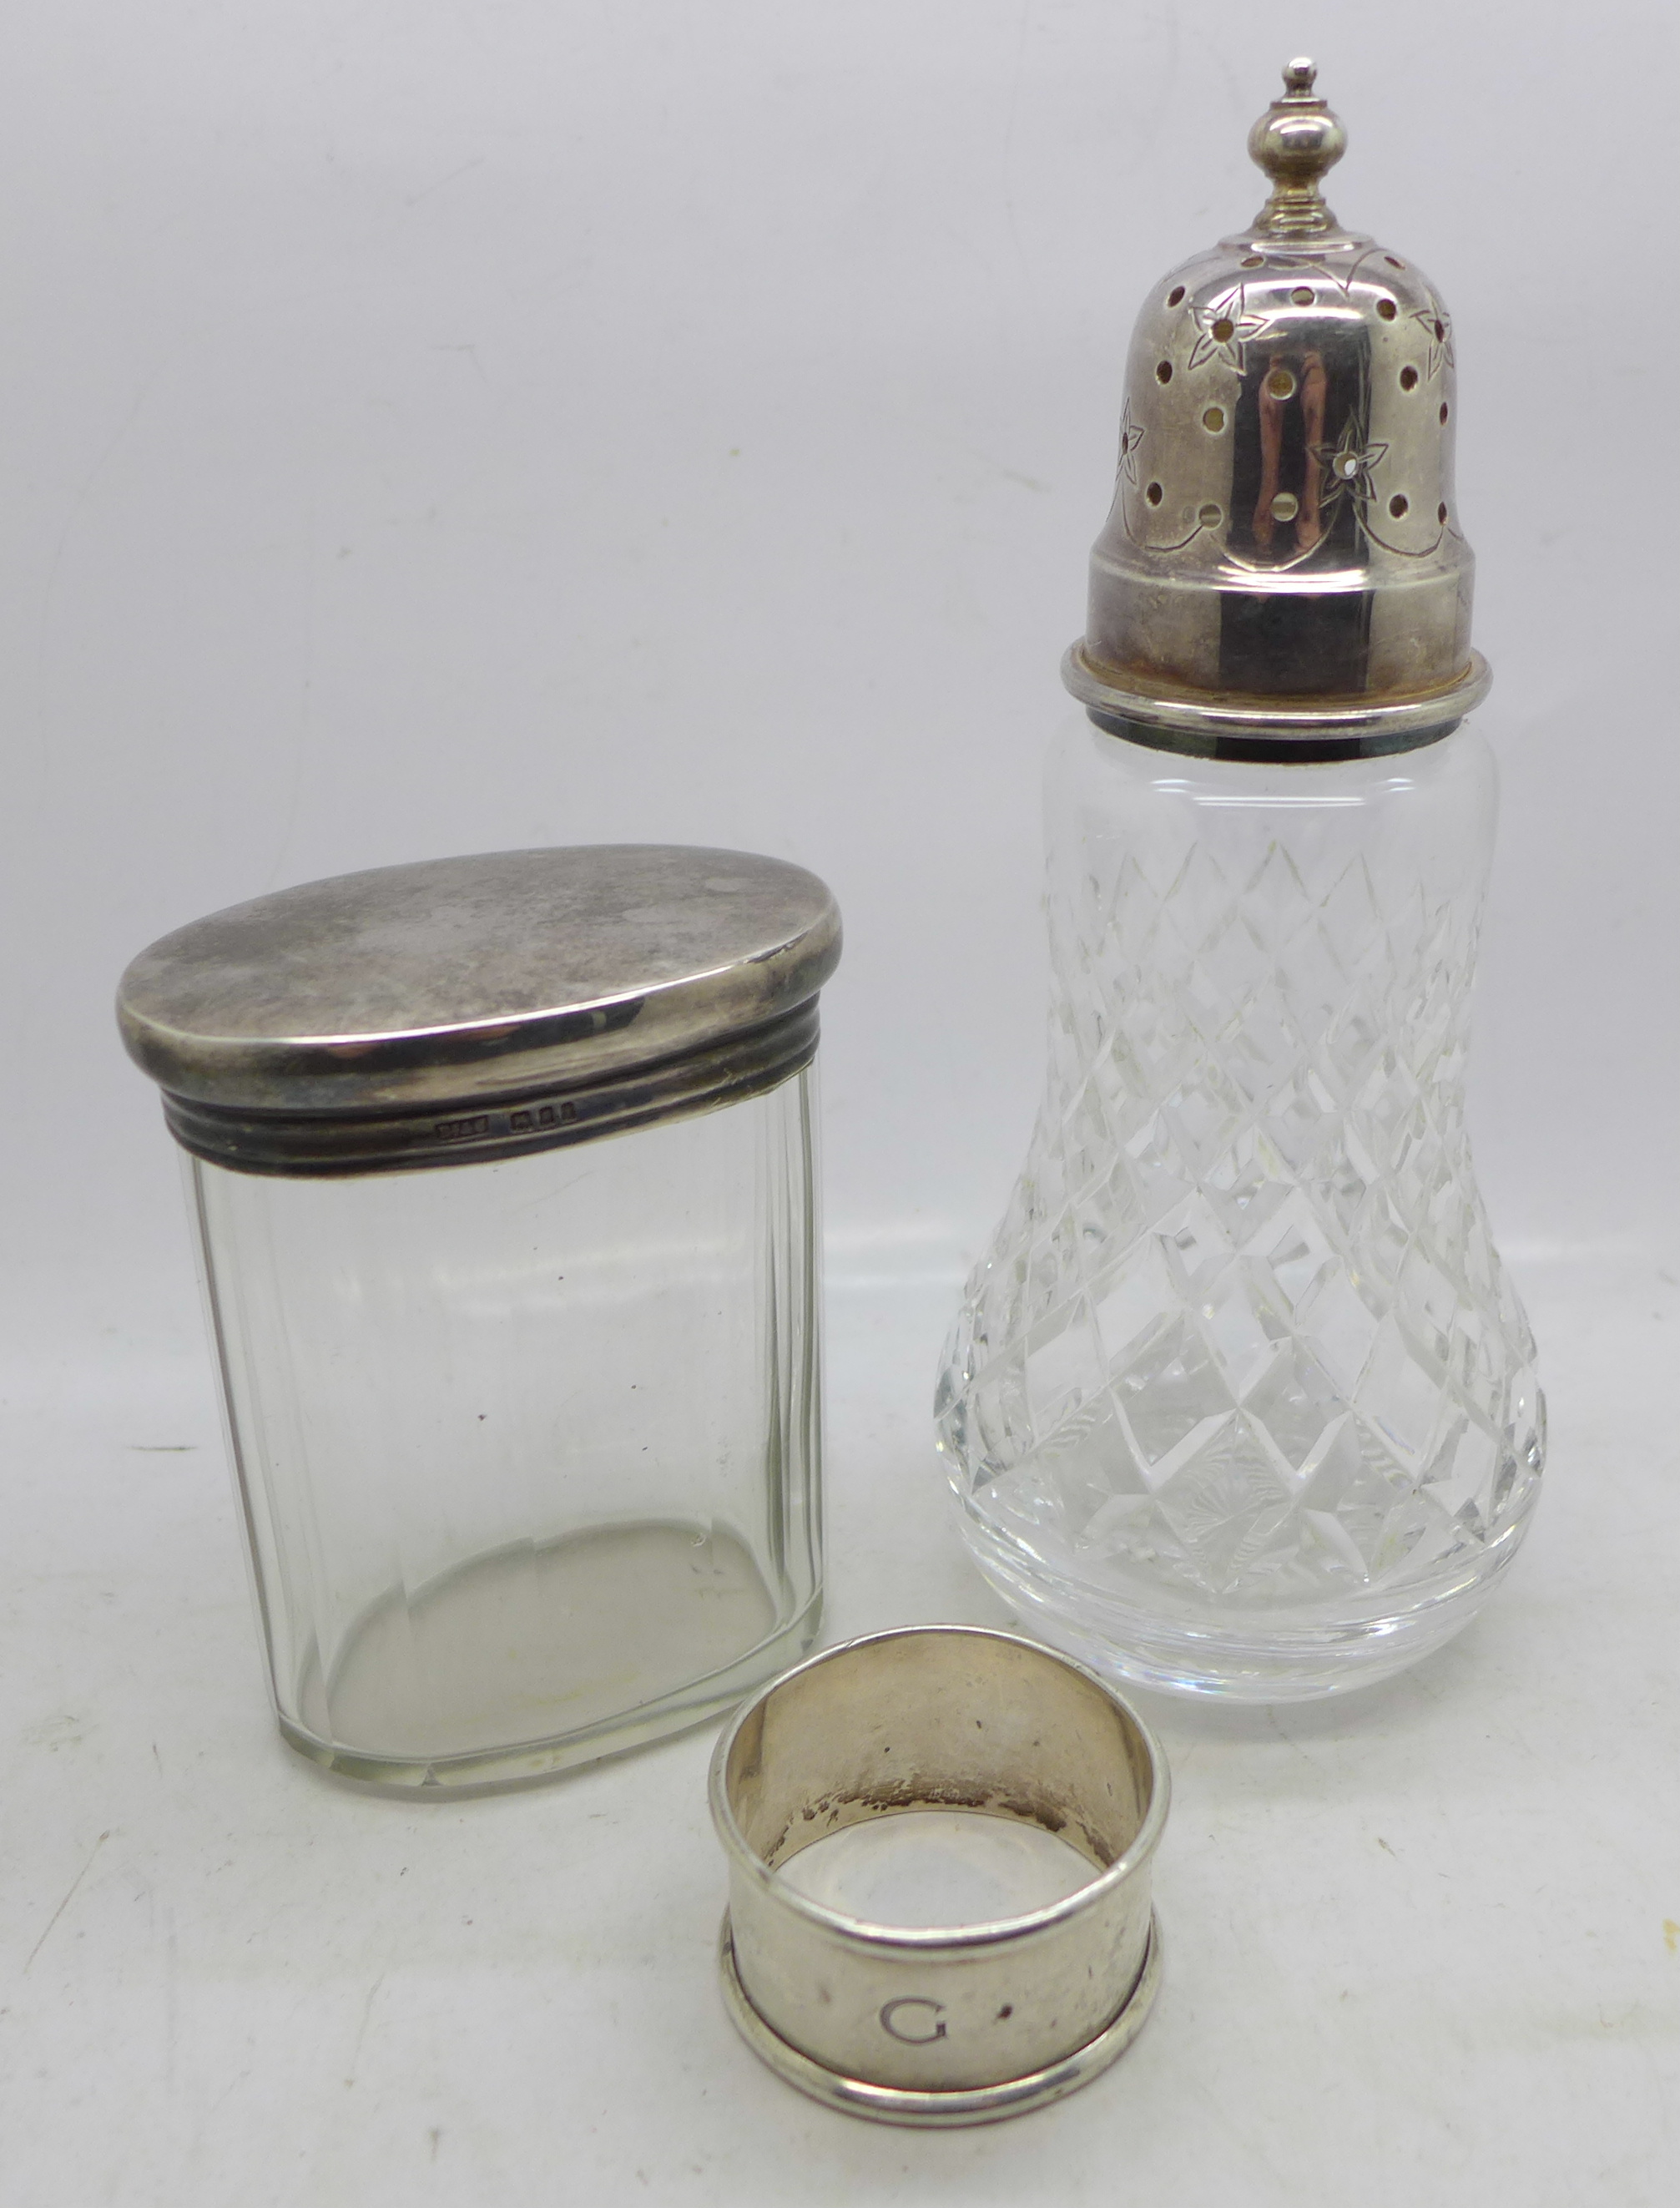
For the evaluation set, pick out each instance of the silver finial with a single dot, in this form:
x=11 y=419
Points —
x=1296 y=141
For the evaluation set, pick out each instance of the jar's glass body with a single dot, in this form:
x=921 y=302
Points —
x=529 y=1451
x=1240 y=1400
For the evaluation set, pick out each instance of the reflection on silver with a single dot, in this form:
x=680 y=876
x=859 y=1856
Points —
x=480 y=1007
x=1283 y=552
x=949 y=2025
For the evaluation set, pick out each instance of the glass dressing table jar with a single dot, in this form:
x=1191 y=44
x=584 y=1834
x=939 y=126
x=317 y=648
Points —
x=503 y=1174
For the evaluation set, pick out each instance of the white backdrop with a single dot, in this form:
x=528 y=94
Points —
x=440 y=425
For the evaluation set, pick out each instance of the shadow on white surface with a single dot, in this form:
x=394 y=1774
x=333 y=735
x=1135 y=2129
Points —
x=1421 y=1941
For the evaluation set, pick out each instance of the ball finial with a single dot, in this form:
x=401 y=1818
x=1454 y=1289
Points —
x=1295 y=141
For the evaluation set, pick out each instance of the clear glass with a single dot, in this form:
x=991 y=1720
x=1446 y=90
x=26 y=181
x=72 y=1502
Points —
x=1240 y=1400
x=528 y=1452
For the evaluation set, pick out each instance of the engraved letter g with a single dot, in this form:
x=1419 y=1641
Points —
x=889 y=2023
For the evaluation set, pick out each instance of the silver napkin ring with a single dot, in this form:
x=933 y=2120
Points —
x=952 y=2025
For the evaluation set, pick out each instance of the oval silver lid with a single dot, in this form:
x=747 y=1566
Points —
x=602 y=985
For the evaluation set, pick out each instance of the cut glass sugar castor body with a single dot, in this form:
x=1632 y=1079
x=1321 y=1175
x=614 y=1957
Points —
x=1240 y=1400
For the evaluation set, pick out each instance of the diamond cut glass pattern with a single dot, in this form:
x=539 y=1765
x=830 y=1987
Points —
x=1240 y=1397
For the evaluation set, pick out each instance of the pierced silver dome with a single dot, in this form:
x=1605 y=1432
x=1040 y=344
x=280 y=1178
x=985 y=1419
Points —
x=1282 y=565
